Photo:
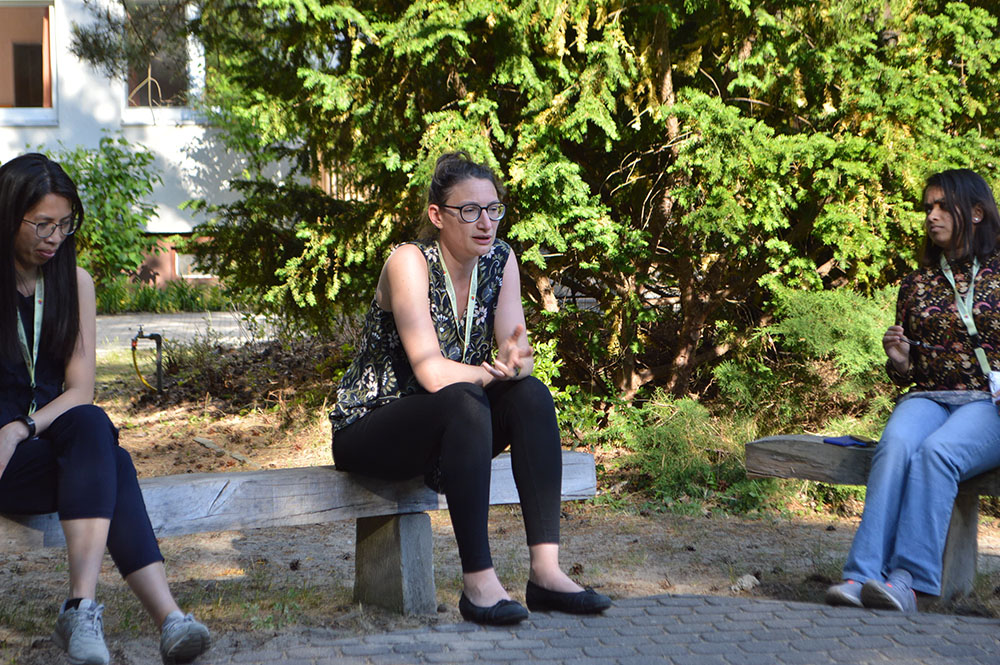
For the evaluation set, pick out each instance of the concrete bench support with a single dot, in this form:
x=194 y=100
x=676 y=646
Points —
x=806 y=457
x=395 y=563
x=393 y=560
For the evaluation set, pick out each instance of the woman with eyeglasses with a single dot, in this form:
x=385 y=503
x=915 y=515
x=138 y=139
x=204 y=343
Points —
x=442 y=384
x=58 y=451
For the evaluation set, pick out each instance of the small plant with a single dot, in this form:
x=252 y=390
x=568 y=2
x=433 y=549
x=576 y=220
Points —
x=687 y=460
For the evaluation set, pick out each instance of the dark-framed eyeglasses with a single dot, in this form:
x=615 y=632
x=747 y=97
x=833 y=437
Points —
x=470 y=212
x=45 y=229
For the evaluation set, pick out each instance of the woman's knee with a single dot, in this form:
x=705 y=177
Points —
x=86 y=419
x=534 y=391
x=465 y=403
x=936 y=452
x=529 y=395
x=83 y=431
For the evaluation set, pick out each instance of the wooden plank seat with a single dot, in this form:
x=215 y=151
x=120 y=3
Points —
x=806 y=457
x=393 y=563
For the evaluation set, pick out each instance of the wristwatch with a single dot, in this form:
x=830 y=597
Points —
x=29 y=423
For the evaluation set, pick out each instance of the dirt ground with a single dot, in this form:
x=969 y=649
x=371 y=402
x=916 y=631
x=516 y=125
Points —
x=257 y=584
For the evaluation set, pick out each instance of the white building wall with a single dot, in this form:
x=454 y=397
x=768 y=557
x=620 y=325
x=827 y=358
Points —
x=86 y=104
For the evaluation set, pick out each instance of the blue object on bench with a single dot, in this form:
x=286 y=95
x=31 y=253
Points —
x=848 y=441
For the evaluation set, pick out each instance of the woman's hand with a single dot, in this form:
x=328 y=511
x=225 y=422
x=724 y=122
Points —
x=897 y=348
x=515 y=357
x=11 y=434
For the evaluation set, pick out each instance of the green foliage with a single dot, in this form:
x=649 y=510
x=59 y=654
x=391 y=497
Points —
x=113 y=181
x=819 y=365
x=671 y=165
x=121 y=294
x=683 y=458
x=837 y=324
x=306 y=249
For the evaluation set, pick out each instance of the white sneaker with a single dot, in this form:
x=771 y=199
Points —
x=80 y=633
x=182 y=639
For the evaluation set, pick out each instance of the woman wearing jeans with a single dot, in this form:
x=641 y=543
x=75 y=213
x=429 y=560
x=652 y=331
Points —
x=426 y=395
x=946 y=428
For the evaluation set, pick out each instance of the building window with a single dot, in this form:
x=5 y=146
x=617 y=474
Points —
x=161 y=88
x=162 y=80
x=26 y=67
x=185 y=267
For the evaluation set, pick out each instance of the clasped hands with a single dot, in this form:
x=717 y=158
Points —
x=513 y=354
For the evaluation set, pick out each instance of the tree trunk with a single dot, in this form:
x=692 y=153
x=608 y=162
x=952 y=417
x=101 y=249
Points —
x=544 y=291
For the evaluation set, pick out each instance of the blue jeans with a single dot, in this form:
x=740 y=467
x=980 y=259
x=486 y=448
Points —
x=926 y=449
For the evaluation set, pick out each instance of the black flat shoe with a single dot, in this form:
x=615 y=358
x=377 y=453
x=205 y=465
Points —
x=503 y=613
x=587 y=601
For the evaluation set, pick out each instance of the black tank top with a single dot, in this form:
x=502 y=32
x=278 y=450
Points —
x=15 y=384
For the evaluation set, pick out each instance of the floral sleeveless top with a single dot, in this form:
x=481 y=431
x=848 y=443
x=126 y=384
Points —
x=381 y=372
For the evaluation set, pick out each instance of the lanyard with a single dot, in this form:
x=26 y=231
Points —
x=470 y=306
x=30 y=360
x=964 y=307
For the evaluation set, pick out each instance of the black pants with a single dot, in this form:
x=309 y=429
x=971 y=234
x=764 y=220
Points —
x=458 y=430
x=76 y=468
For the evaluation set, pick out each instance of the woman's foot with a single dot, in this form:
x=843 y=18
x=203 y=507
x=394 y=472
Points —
x=483 y=588
x=80 y=632
x=896 y=593
x=584 y=601
x=847 y=593
x=182 y=639
x=503 y=613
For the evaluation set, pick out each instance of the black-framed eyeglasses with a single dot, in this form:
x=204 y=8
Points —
x=470 y=212
x=45 y=229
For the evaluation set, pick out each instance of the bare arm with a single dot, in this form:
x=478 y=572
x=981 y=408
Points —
x=403 y=290
x=515 y=359
x=81 y=368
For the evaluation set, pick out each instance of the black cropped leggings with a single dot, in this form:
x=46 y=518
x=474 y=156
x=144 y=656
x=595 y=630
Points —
x=462 y=427
x=76 y=468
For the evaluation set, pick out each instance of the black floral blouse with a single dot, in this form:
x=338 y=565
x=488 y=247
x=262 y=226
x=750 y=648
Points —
x=926 y=310
x=381 y=372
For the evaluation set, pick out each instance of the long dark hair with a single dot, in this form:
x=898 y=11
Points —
x=964 y=190
x=24 y=182
x=452 y=168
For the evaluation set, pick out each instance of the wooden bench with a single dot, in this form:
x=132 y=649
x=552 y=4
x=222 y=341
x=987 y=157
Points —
x=807 y=457
x=393 y=563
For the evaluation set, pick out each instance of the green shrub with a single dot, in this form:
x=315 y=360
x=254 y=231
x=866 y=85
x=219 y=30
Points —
x=113 y=180
x=683 y=458
x=123 y=295
x=818 y=366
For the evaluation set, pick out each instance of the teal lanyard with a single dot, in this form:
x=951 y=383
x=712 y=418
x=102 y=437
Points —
x=964 y=307
x=470 y=306
x=32 y=358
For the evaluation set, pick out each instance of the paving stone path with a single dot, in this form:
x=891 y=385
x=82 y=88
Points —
x=662 y=630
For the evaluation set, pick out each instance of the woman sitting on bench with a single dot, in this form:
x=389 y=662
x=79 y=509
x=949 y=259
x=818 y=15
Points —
x=59 y=452
x=946 y=428
x=426 y=396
